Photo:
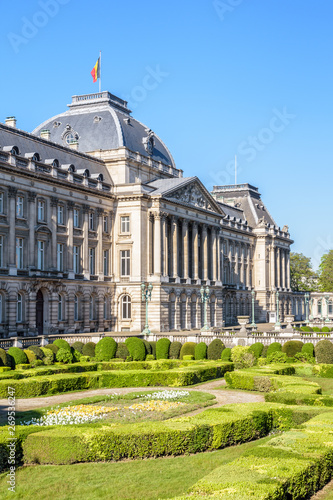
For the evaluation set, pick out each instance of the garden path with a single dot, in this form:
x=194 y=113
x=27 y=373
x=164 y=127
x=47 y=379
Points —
x=223 y=397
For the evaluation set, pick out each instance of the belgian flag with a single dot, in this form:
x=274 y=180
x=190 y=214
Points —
x=96 y=71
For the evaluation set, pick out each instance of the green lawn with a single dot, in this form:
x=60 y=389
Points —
x=132 y=480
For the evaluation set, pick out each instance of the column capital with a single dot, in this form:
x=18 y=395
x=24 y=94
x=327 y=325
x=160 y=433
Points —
x=70 y=204
x=54 y=201
x=174 y=219
x=185 y=223
x=12 y=191
x=32 y=195
x=100 y=211
x=195 y=224
x=86 y=209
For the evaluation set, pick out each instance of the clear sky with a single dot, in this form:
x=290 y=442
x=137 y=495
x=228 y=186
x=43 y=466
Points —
x=211 y=78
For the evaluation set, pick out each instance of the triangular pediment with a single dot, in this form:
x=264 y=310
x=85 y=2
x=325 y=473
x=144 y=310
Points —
x=194 y=194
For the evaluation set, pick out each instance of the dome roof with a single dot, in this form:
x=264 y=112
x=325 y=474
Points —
x=102 y=121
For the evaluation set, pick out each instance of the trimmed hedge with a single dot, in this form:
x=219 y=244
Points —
x=214 y=349
x=257 y=349
x=153 y=347
x=49 y=356
x=200 y=351
x=54 y=348
x=89 y=349
x=226 y=354
x=162 y=348
x=64 y=356
x=147 y=346
x=273 y=347
x=174 y=351
x=37 y=351
x=105 y=349
x=188 y=349
x=122 y=352
x=324 y=352
x=3 y=357
x=18 y=355
x=308 y=348
x=291 y=398
x=136 y=348
x=323 y=370
x=62 y=344
x=292 y=347
x=31 y=356
x=78 y=346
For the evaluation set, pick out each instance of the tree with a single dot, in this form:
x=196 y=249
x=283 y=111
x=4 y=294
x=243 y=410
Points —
x=326 y=272
x=302 y=277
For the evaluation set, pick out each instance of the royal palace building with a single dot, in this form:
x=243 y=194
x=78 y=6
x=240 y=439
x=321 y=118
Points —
x=92 y=205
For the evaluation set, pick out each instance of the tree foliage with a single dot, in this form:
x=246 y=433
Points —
x=326 y=272
x=301 y=273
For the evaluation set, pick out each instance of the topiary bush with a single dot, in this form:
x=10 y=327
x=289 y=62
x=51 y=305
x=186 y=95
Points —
x=49 y=356
x=274 y=347
x=64 y=356
x=105 y=349
x=316 y=329
x=18 y=355
x=304 y=357
x=242 y=357
x=257 y=349
x=277 y=357
x=89 y=349
x=292 y=347
x=4 y=361
x=323 y=352
x=174 y=351
x=37 y=351
x=153 y=347
x=264 y=351
x=214 y=349
x=188 y=349
x=53 y=348
x=150 y=357
x=78 y=346
x=306 y=329
x=188 y=357
x=62 y=344
x=31 y=356
x=325 y=329
x=147 y=346
x=226 y=354
x=122 y=352
x=162 y=349
x=308 y=348
x=136 y=348
x=200 y=351
x=76 y=355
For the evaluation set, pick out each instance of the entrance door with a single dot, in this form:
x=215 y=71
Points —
x=39 y=312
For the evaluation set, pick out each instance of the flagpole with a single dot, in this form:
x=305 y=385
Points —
x=100 y=71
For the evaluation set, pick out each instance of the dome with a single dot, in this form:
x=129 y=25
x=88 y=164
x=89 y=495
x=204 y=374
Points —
x=102 y=121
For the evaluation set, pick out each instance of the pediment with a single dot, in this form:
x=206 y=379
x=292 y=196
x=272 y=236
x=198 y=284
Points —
x=195 y=195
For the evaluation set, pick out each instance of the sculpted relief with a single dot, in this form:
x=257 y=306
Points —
x=193 y=196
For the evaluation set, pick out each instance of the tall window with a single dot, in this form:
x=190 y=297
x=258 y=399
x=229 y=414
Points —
x=126 y=307
x=92 y=308
x=105 y=308
x=19 y=206
x=60 y=257
x=40 y=254
x=319 y=307
x=1 y=252
x=92 y=260
x=19 y=253
x=1 y=203
x=60 y=214
x=76 y=259
x=19 y=308
x=91 y=221
x=41 y=210
x=106 y=262
x=105 y=224
x=125 y=224
x=76 y=308
x=125 y=262
x=61 y=309
x=76 y=220
x=330 y=307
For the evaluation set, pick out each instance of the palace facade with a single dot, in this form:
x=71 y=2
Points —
x=92 y=205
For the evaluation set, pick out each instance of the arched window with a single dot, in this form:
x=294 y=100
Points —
x=126 y=307
x=19 y=310
x=61 y=308
x=76 y=308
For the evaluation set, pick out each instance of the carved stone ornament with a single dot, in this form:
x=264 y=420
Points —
x=193 y=196
x=149 y=142
x=261 y=222
x=285 y=229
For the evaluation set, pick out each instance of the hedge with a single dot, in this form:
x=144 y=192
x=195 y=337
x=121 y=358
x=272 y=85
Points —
x=291 y=398
x=257 y=349
x=17 y=355
x=273 y=347
x=162 y=348
x=209 y=430
x=292 y=347
x=214 y=349
x=122 y=352
x=32 y=356
x=226 y=354
x=37 y=351
x=3 y=357
x=48 y=356
x=174 y=351
x=105 y=349
x=308 y=348
x=89 y=349
x=136 y=348
x=62 y=344
x=147 y=346
x=54 y=348
x=323 y=370
x=324 y=352
x=200 y=351
x=187 y=349
x=153 y=347
x=78 y=346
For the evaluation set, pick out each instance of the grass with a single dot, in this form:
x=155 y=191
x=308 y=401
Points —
x=150 y=479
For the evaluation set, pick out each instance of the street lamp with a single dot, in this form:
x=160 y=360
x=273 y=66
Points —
x=277 y=324
x=146 y=295
x=306 y=297
x=327 y=299
x=204 y=299
x=253 y=324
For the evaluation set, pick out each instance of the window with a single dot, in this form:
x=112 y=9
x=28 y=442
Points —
x=126 y=307
x=60 y=308
x=106 y=262
x=76 y=220
x=105 y=308
x=1 y=306
x=105 y=224
x=1 y=251
x=76 y=308
x=125 y=262
x=330 y=308
x=60 y=214
x=91 y=221
x=76 y=259
x=40 y=255
x=92 y=260
x=319 y=307
x=125 y=224
x=19 y=253
x=92 y=308
x=19 y=206
x=60 y=257
x=41 y=210
x=19 y=308
x=1 y=203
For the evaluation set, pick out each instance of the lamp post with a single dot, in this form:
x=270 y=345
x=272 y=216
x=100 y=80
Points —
x=146 y=295
x=306 y=298
x=253 y=324
x=204 y=299
x=277 y=324
x=327 y=299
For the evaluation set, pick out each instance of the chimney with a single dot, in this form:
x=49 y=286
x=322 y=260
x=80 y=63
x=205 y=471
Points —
x=74 y=145
x=45 y=134
x=11 y=121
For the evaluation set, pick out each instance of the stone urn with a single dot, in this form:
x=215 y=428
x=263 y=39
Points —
x=243 y=321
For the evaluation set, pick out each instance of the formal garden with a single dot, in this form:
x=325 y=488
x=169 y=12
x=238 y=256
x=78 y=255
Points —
x=166 y=436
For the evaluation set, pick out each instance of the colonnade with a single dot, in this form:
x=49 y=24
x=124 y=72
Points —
x=280 y=267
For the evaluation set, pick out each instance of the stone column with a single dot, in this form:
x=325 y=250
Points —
x=188 y=312
x=12 y=191
x=157 y=244
x=32 y=223
x=185 y=247
x=214 y=246
x=204 y=253
x=99 y=249
x=54 y=225
x=85 y=245
x=288 y=269
x=278 y=271
x=174 y=240
x=219 y=256
x=195 y=253
x=11 y=308
x=272 y=265
x=283 y=277
x=100 y=313
x=86 y=310
x=164 y=251
x=70 y=240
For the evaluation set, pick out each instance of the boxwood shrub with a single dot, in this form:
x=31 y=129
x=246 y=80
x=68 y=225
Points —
x=273 y=347
x=122 y=351
x=37 y=351
x=200 y=351
x=257 y=349
x=325 y=329
x=147 y=346
x=3 y=358
x=105 y=349
x=136 y=348
x=162 y=348
x=214 y=349
x=78 y=346
x=226 y=354
x=324 y=352
x=49 y=356
x=64 y=356
x=54 y=348
x=292 y=347
x=62 y=344
x=316 y=329
x=306 y=329
x=18 y=355
x=188 y=348
x=153 y=347
x=174 y=351
x=89 y=349
x=31 y=356
x=308 y=348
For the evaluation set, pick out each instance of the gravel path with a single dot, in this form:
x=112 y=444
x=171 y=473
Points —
x=223 y=397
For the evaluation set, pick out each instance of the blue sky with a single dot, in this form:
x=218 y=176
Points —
x=246 y=77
